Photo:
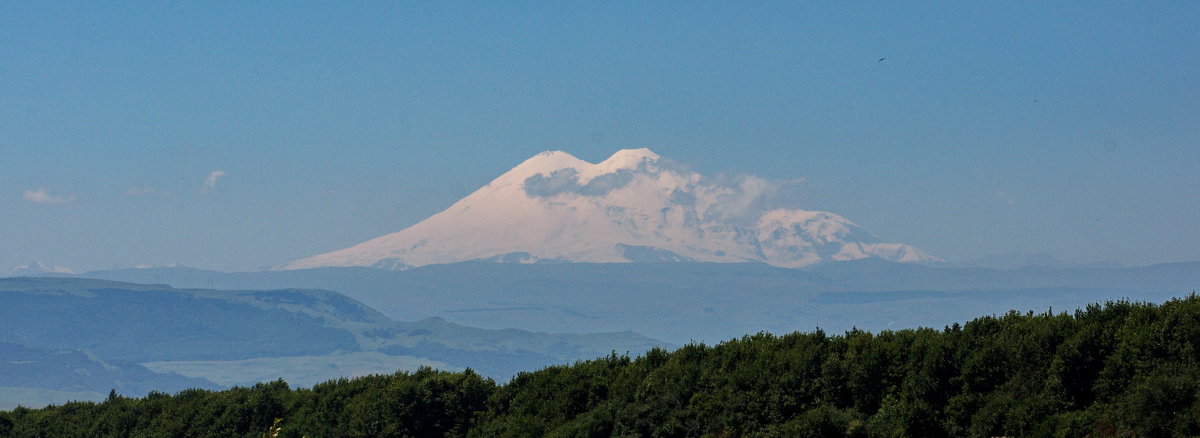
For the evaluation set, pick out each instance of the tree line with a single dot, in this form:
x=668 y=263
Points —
x=1114 y=369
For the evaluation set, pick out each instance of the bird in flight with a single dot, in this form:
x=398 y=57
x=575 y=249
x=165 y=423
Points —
x=881 y=59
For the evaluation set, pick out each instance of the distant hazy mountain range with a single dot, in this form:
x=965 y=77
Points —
x=90 y=336
x=679 y=302
x=632 y=207
x=39 y=269
x=1016 y=260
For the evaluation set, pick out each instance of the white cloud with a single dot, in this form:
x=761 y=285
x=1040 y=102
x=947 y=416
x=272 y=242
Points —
x=739 y=199
x=42 y=195
x=743 y=198
x=210 y=183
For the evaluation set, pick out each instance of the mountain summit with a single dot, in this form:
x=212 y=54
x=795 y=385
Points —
x=39 y=269
x=633 y=207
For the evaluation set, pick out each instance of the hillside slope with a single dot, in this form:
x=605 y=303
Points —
x=114 y=331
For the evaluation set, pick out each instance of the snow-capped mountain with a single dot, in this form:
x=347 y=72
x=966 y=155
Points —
x=39 y=269
x=632 y=207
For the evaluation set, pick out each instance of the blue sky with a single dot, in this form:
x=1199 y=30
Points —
x=1071 y=128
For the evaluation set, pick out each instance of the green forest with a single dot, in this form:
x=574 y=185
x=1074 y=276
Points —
x=1113 y=369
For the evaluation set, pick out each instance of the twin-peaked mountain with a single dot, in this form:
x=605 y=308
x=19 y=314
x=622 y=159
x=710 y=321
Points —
x=632 y=207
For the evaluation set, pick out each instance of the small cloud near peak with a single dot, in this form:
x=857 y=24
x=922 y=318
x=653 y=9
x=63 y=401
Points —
x=210 y=182
x=42 y=195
